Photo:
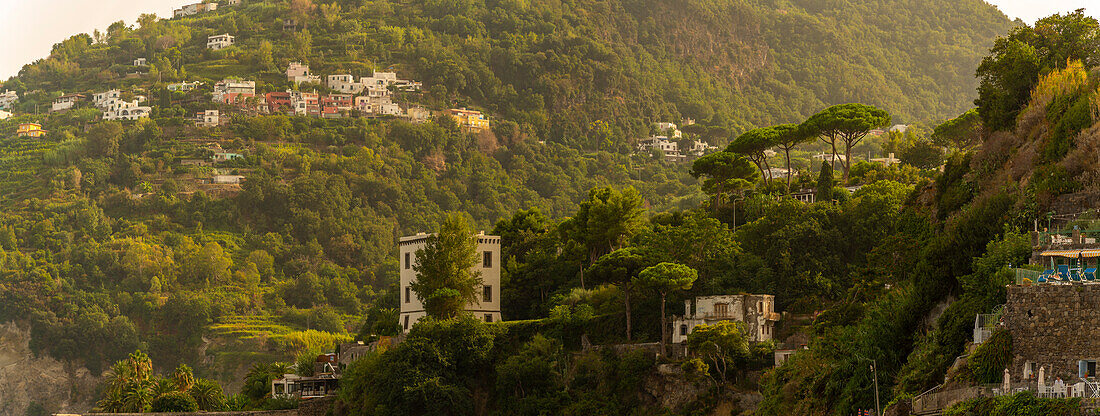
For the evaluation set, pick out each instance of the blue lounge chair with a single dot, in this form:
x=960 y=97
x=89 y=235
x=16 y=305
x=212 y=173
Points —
x=1090 y=274
x=1063 y=272
x=1045 y=276
x=1075 y=275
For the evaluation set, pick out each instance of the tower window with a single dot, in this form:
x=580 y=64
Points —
x=406 y=322
x=408 y=294
x=487 y=294
x=487 y=259
x=407 y=262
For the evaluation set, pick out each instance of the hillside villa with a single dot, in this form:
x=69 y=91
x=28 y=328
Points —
x=470 y=121
x=219 y=42
x=66 y=102
x=193 y=9
x=30 y=130
x=756 y=312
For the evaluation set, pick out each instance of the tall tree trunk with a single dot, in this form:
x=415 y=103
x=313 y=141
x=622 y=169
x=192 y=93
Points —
x=833 y=162
x=664 y=351
x=787 y=151
x=626 y=301
x=763 y=173
x=769 y=169
x=847 y=161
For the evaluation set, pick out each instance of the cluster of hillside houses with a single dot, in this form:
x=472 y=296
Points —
x=368 y=96
x=667 y=140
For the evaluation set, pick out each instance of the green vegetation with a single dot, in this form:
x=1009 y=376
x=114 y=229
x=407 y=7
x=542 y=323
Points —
x=131 y=386
x=987 y=363
x=445 y=282
x=1017 y=404
x=107 y=235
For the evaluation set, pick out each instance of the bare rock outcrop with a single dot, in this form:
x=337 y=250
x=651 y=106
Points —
x=26 y=379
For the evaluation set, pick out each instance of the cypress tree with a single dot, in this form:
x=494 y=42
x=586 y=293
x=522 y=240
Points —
x=825 y=183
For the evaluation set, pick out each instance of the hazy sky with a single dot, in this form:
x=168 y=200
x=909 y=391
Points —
x=28 y=28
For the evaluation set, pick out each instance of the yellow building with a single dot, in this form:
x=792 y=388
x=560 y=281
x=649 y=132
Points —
x=30 y=130
x=470 y=120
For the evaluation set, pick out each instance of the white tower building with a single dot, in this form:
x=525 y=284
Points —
x=487 y=305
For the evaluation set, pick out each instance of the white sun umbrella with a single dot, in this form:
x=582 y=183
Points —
x=1042 y=381
x=1006 y=386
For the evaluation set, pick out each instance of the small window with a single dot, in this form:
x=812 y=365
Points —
x=488 y=317
x=407 y=262
x=721 y=309
x=487 y=259
x=683 y=330
x=487 y=296
x=1086 y=368
x=406 y=322
x=408 y=294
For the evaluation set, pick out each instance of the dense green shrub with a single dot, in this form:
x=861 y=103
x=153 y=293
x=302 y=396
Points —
x=1019 y=404
x=989 y=361
x=176 y=401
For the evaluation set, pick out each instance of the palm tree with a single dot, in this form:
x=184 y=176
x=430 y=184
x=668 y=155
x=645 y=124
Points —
x=128 y=388
x=208 y=395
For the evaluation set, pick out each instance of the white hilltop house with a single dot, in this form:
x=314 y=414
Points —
x=65 y=102
x=487 y=306
x=8 y=99
x=756 y=312
x=183 y=86
x=194 y=8
x=115 y=108
x=219 y=42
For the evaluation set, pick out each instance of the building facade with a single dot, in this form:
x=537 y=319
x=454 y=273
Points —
x=470 y=121
x=487 y=305
x=182 y=86
x=298 y=73
x=1053 y=326
x=8 y=99
x=757 y=312
x=30 y=130
x=194 y=8
x=208 y=118
x=219 y=42
x=65 y=102
x=230 y=91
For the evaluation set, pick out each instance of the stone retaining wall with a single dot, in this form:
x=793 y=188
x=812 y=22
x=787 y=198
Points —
x=1053 y=326
x=316 y=407
x=289 y=412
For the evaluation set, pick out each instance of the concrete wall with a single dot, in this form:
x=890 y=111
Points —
x=1053 y=326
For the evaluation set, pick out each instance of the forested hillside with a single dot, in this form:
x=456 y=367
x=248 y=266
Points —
x=106 y=234
x=560 y=68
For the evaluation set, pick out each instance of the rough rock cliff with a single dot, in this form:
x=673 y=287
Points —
x=27 y=380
